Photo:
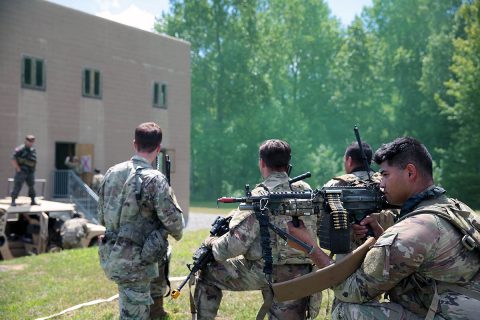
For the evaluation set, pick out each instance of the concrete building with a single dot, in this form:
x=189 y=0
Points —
x=81 y=84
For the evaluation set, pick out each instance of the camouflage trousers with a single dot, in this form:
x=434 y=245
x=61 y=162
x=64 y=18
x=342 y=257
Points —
x=239 y=274
x=451 y=305
x=19 y=179
x=374 y=311
x=135 y=298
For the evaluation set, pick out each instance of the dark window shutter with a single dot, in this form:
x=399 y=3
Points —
x=96 y=88
x=39 y=73
x=86 y=82
x=155 y=94
x=27 y=71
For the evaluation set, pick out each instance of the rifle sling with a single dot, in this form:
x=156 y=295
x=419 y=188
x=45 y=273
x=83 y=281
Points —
x=323 y=278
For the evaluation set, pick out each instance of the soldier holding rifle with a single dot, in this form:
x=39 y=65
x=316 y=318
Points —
x=238 y=262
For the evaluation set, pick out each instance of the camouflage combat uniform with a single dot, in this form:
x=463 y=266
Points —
x=27 y=160
x=418 y=256
x=72 y=232
x=239 y=263
x=134 y=248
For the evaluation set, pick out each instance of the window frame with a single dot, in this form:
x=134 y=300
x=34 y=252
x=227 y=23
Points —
x=33 y=74
x=93 y=85
x=157 y=102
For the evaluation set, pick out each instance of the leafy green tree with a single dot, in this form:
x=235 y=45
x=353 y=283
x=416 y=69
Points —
x=403 y=29
x=462 y=169
x=358 y=97
x=227 y=89
x=286 y=69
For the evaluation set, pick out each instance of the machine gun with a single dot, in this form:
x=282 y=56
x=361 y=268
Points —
x=337 y=207
x=204 y=254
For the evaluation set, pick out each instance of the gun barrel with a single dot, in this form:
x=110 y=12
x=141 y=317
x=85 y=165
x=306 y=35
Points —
x=300 y=177
x=231 y=199
x=176 y=293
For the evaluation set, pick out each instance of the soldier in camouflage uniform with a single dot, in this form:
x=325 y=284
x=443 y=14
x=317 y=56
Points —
x=24 y=160
x=139 y=210
x=73 y=231
x=357 y=176
x=238 y=262
x=421 y=261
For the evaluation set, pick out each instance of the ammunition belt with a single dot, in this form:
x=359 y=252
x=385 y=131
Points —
x=339 y=214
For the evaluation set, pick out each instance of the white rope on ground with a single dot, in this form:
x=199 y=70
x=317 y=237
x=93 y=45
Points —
x=78 y=306
x=94 y=302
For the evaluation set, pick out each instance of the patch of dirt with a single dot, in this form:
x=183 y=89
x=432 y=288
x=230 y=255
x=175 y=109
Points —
x=12 y=267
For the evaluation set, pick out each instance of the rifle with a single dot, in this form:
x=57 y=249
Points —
x=204 y=254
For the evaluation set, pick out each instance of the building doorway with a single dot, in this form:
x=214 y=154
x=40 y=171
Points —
x=62 y=151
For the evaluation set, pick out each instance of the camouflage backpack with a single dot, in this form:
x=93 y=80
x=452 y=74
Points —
x=462 y=217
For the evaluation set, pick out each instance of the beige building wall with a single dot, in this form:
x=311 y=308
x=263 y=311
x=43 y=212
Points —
x=130 y=61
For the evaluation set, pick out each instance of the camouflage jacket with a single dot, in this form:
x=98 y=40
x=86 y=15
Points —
x=353 y=179
x=25 y=157
x=244 y=235
x=119 y=211
x=411 y=258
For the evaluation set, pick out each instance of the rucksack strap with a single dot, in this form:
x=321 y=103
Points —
x=138 y=183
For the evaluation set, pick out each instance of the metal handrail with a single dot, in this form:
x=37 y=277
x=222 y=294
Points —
x=69 y=185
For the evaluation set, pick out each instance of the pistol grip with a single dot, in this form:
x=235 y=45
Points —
x=296 y=222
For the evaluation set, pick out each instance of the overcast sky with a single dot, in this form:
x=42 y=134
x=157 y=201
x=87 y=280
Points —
x=141 y=13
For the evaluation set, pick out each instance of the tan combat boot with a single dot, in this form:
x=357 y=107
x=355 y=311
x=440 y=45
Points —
x=156 y=309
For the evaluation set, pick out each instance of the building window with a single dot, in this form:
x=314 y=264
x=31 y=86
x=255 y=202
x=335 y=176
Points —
x=33 y=73
x=159 y=95
x=92 y=84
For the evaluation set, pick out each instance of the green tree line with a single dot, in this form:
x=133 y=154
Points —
x=288 y=69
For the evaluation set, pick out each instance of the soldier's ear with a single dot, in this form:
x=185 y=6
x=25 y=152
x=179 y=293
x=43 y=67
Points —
x=411 y=171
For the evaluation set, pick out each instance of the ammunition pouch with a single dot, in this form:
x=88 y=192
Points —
x=26 y=162
x=132 y=233
x=155 y=247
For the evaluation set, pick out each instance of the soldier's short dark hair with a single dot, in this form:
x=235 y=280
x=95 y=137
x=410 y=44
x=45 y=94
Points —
x=353 y=151
x=275 y=153
x=403 y=151
x=148 y=136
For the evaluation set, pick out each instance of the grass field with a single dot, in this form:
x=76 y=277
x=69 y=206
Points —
x=38 y=286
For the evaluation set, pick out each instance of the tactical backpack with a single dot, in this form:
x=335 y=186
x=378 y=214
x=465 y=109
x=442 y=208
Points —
x=466 y=220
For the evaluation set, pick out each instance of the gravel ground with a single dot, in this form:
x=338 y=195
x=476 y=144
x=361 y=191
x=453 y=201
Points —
x=198 y=220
